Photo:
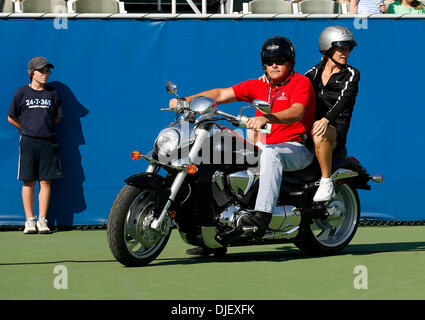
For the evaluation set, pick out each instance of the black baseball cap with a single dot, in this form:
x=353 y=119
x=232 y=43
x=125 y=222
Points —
x=38 y=63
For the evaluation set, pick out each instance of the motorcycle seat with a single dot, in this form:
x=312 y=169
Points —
x=307 y=175
x=312 y=172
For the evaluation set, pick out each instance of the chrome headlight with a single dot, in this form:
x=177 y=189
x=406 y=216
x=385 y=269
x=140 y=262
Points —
x=168 y=141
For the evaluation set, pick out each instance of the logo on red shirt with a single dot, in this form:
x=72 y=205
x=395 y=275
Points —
x=282 y=97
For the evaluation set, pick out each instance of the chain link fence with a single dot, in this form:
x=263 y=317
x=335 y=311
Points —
x=363 y=223
x=390 y=223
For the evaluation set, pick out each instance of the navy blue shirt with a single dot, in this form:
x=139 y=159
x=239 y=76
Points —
x=36 y=111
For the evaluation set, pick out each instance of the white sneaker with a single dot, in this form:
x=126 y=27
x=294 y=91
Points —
x=30 y=226
x=42 y=226
x=325 y=192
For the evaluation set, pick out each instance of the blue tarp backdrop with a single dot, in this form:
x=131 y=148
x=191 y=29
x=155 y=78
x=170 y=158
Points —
x=111 y=75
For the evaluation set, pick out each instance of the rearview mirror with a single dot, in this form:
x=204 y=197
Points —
x=263 y=106
x=171 y=87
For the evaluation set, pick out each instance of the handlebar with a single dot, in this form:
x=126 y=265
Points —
x=181 y=105
x=239 y=120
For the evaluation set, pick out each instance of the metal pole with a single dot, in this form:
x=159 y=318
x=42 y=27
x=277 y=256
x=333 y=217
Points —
x=173 y=6
x=204 y=6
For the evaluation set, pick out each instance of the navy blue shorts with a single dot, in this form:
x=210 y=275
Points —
x=38 y=159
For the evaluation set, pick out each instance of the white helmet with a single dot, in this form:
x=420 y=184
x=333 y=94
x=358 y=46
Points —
x=336 y=36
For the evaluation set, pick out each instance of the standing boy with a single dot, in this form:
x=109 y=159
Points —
x=35 y=110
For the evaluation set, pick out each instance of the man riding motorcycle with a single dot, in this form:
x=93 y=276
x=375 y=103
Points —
x=292 y=101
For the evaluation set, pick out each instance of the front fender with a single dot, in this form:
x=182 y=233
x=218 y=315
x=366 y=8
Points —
x=145 y=179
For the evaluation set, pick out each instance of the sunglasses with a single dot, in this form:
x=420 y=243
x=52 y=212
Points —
x=278 y=62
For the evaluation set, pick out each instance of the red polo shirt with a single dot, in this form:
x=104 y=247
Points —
x=298 y=90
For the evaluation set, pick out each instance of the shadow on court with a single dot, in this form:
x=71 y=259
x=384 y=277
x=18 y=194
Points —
x=292 y=253
x=54 y=262
x=281 y=254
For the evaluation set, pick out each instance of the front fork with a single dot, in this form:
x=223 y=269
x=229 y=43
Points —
x=201 y=135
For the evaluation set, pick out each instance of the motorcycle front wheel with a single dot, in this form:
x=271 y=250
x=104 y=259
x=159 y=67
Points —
x=331 y=235
x=131 y=239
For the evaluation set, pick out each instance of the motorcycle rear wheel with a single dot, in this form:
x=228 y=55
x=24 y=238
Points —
x=324 y=237
x=131 y=240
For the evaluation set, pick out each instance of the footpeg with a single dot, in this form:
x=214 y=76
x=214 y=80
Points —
x=253 y=232
x=229 y=236
x=250 y=229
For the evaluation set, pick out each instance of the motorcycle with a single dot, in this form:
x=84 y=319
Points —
x=210 y=182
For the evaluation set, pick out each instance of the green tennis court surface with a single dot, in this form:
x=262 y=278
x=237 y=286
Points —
x=77 y=264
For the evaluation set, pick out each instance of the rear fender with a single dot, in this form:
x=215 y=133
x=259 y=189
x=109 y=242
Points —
x=357 y=183
x=355 y=175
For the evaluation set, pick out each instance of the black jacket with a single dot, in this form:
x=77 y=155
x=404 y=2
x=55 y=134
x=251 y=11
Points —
x=336 y=100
